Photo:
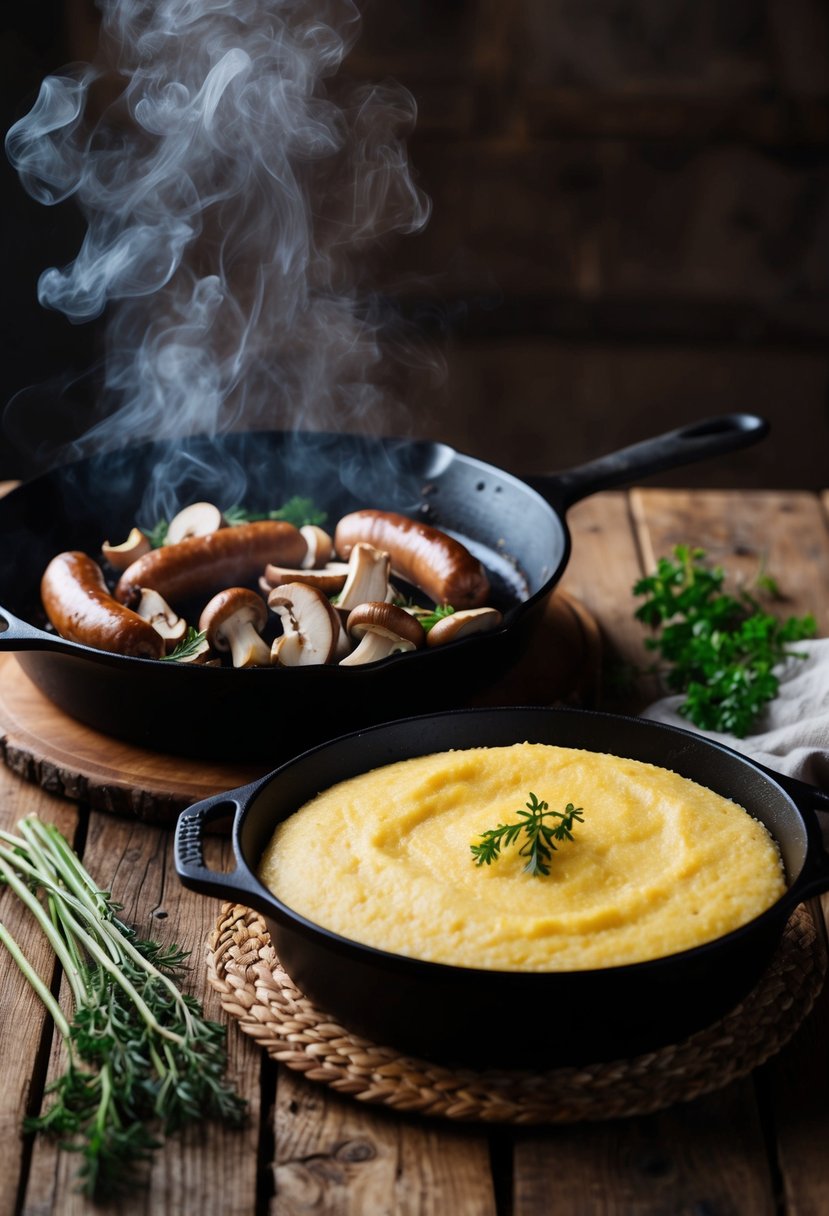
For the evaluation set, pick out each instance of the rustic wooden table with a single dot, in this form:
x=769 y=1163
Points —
x=755 y=1147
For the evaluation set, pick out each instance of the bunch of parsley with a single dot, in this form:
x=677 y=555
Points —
x=719 y=649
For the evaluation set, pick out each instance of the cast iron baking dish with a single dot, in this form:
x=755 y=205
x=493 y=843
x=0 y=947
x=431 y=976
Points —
x=460 y=1014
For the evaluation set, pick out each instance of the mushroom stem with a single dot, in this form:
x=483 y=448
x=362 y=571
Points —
x=247 y=649
x=368 y=578
x=232 y=621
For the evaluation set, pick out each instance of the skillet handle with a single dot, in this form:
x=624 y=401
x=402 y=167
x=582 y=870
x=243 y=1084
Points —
x=801 y=792
x=189 y=852
x=711 y=437
x=18 y=635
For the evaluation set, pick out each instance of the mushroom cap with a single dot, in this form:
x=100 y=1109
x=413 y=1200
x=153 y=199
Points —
x=237 y=603
x=330 y=578
x=386 y=619
x=152 y=604
x=123 y=555
x=153 y=608
x=311 y=626
x=199 y=519
x=463 y=624
x=320 y=546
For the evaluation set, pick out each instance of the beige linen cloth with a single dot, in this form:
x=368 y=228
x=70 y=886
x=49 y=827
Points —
x=792 y=734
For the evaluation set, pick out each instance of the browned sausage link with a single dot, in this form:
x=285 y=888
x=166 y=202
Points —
x=203 y=565
x=429 y=559
x=79 y=606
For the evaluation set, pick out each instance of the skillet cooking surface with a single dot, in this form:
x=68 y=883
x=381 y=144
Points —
x=508 y=526
x=518 y=532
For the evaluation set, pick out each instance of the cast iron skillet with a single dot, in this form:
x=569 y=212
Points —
x=518 y=530
x=462 y=1014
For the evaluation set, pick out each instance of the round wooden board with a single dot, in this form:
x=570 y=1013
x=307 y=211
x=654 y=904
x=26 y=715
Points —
x=42 y=744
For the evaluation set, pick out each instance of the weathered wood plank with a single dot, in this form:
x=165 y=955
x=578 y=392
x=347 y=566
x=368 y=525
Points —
x=604 y=565
x=535 y=405
x=605 y=218
x=788 y=532
x=709 y=1154
x=336 y=1157
x=800 y=33
x=745 y=532
x=793 y=1086
x=22 y=1018
x=706 y=1156
x=794 y=1079
x=47 y=747
x=211 y=1170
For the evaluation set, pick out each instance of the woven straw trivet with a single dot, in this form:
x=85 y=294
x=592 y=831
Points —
x=242 y=966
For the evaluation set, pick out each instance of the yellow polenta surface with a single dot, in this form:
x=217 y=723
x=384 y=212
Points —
x=659 y=864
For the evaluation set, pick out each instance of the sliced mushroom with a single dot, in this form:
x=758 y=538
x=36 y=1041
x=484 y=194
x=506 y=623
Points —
x=199 y=519
x=123 y=555
x=311 y=629
x=381 y=629
x=233 y=621
x=164 y=619
x=463 y=624
x=330 y=580
x=368 y=578
x=320 y=547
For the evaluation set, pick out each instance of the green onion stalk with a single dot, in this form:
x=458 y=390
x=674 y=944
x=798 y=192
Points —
x=141 y=1058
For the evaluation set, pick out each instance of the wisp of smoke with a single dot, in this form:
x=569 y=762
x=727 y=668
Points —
x=232 y=189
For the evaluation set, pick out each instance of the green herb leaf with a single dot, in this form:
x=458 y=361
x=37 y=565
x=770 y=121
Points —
x=156 y=535
x=300 y=512
x=542 y=838
x=297 y=511
x=142 y=1059
x=428 y=617
x=237 y=514
x=189 y=646
x=720 y=650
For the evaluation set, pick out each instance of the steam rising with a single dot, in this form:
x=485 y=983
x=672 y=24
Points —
x=232 y=190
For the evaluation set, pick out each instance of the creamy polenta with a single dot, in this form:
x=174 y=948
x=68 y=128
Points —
x=659 y=864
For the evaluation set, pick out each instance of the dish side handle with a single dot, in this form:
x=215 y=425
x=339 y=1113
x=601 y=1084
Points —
x=808 y=798
x=189 y=848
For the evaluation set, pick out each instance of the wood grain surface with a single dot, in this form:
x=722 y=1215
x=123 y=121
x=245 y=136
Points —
x=757 y=1147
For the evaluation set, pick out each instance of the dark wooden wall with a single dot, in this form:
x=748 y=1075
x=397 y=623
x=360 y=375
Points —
x=630 y=225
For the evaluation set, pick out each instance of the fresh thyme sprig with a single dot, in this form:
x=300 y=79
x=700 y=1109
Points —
x=542 y=838
x=140 y=1055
